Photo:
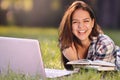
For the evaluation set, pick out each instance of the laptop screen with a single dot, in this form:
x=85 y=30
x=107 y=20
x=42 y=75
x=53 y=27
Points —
x=21 y=56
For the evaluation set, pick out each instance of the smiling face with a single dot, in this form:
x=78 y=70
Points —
x=82 y=24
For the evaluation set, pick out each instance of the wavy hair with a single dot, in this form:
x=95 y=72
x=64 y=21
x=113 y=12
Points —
x=66 y=36
x=65 y=29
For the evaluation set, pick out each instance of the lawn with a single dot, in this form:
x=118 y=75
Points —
x=48 y=38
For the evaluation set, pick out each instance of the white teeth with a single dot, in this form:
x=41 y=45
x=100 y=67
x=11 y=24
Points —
x=81 y=31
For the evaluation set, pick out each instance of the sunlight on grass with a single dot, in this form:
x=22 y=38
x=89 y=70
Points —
x=27 y=32
x=114 y=35
x=51 y=54
x=48 y=38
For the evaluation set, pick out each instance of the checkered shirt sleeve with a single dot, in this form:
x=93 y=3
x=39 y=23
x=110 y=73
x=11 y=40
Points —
x=102 y=49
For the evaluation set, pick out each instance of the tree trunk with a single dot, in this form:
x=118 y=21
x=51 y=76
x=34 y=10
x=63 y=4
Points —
x=3 y=20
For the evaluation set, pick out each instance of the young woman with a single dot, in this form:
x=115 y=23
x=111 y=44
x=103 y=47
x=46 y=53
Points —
x=80 y=37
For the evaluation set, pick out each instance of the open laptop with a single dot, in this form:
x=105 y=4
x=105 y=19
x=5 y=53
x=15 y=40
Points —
x=24 y=56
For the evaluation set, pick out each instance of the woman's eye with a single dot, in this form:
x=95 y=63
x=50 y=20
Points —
x=86 y=21
x=74 y=22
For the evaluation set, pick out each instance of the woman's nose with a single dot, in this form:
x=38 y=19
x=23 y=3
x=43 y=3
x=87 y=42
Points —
x=80 y=25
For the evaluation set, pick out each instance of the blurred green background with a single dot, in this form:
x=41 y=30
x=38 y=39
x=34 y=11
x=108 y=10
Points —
x=40 y=19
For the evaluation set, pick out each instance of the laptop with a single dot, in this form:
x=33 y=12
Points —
x=24 y=56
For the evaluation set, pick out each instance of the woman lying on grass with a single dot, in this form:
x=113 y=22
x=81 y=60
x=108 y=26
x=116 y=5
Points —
x=80 y=37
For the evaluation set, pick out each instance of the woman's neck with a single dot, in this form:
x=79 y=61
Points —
x=82 y=49
x=85 y=43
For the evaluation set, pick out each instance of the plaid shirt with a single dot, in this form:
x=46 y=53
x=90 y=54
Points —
x=102 y=48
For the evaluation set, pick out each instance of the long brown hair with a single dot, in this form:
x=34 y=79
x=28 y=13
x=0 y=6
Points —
x=66 y=36
x=65 y=30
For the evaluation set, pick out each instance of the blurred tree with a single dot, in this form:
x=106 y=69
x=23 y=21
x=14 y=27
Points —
x=50 y=12
x=3 y=20
x=66 y=3
x=108 y=13
x=45 y=13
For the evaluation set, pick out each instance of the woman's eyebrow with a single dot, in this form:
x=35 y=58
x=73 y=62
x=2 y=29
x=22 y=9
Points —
x=86 y=19
x=74 y=20
x=82 y=19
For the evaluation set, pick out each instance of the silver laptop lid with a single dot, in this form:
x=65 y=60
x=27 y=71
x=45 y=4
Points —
x=21 y=56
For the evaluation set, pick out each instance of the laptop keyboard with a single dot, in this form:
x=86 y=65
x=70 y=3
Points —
x=52 y=73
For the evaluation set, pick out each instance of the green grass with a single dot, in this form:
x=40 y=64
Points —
x=114 y=34
x=48 y=38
